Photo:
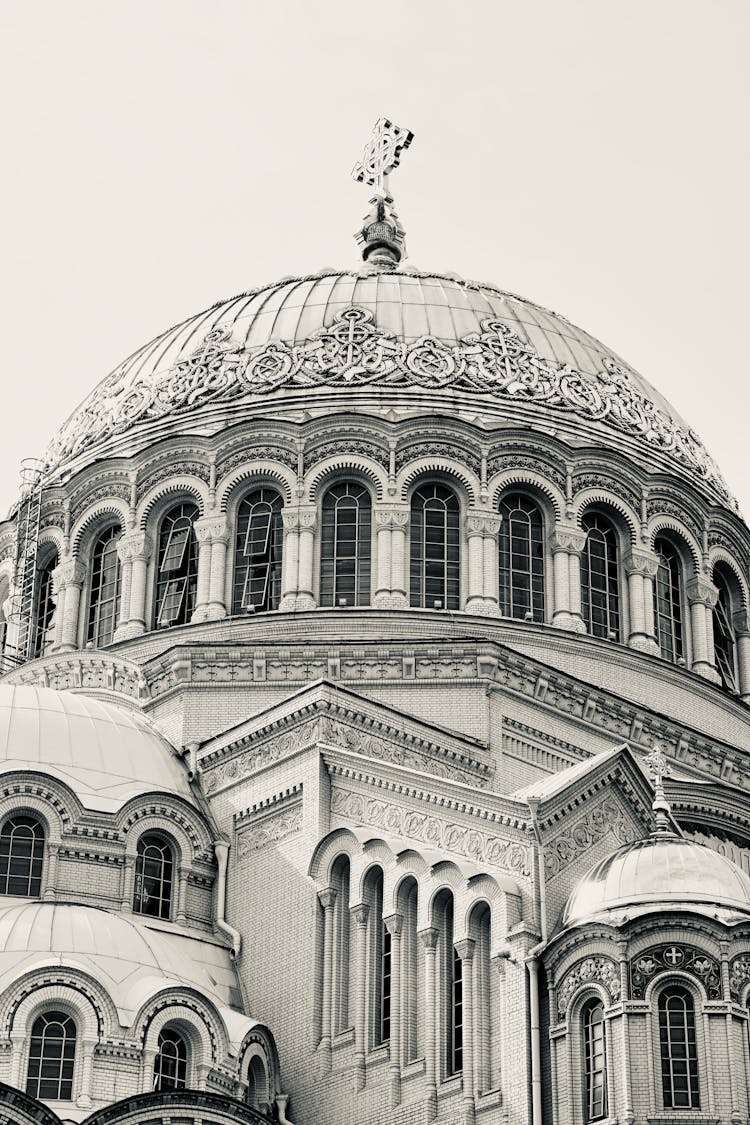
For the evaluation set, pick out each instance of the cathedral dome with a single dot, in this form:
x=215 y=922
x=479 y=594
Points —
x=334 y=338
x=105 y=754
x=662 y=871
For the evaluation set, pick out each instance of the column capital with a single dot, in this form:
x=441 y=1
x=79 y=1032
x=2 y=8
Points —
x=429 y=937
x=209 y=529
x=394 y=924
x=304 y=517
x=465 y=948
x=484 y=524
x=134 y=545
x=360 y=913
x=701 y=590
x=71 y=572
x=327 y=897
x=565 y=537
x=640 y=561
x=391 y=517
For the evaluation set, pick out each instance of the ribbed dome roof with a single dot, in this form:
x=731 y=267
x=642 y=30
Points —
x=664 y=871
x=393 y=330
x=105 y=754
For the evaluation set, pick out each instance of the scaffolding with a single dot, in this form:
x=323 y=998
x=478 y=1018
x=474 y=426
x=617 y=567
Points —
x=22 y=602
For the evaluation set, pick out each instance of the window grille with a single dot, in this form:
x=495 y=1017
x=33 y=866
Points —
x=679 y=1053
x=153 y=877
x=170 y=1064
x=345 y=546
x=600 y=587
x=435 y=562
x=104 y=592
x=521 y=552
x=52 y=1057
x=257 y=552
x=45 y=608
x=725 y=651
x=595 y=1062
x=668 y=602
x=21 y=857
x=177 y=567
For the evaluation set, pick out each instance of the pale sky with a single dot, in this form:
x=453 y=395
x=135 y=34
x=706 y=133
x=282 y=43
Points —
x=591 y=155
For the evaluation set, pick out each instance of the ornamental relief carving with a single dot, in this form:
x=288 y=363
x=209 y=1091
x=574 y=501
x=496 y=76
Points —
x=353 y=351
x=662 y=507
x=83 y=672
x=594 y=970
x=334 y=448
x=504 y=462
x=670 y=957
x=739 y=976
x=168 y=471
x=513 y=856
x=583 y=481
x=85 y=499
x=269 y=830
x=448 y=449
x=252 y=453
x=606 y=817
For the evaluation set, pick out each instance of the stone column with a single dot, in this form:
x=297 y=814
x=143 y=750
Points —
x=702 y=596
x=359 y=915
x=641 y=567
x=394 y=924
x=84 y=1091
x=50 y=874
x=299 y=557
x=290 y=559
x=465 y=950
x=212 y=534
x=126 y=884
x=54 y=636
x=741 y=622
x=567 y=543
x=68 y=579
x=429 y=939
x=481 y=532
x=134 y=549
x=327 y=899
x=182 y=886
x=399 y=577
x=382 y=596
x=390 y=526
x=147 y=1074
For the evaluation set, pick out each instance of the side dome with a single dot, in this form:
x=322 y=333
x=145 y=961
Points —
x=665 y=872
x=105 y=754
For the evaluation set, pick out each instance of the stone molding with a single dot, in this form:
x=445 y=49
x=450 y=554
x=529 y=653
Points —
x=269 y=829
x=212 y=529
x=135 y=545
x=702 y=591
x=640 y=561
x=602 y=971
x=572 y=540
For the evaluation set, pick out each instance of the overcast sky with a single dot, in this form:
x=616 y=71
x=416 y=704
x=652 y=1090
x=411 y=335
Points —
x=591 y=155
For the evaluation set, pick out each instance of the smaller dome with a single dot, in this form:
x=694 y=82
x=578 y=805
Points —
x=104 y=753
x=663 y=871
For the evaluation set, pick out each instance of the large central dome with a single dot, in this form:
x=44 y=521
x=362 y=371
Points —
x=343 y=335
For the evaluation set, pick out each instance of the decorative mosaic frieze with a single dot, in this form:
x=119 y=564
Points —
x=594 y=970
x=606 y=817
x=482 y=847
x=670 y=957
x=353 y=351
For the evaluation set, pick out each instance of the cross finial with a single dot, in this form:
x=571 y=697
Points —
x=659 y=768
x=382 y=236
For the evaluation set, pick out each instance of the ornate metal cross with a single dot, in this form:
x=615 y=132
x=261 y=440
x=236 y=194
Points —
x=382 y=154
x=658 y=766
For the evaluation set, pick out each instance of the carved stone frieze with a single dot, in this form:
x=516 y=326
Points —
x=85 y=499
x=505 y=462
x=594 y=970
x=473 y=843
x=369 y=449
x=170 y=469
x=575 y=840
x=739 y=976
x=584 y=481
x=449 y=449
x=660 y=506
x=670 y=957
x=252 y=453
x=83 y=670
x=353 y=351
x=269 y=829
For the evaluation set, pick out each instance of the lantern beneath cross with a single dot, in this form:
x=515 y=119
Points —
x=382 y=236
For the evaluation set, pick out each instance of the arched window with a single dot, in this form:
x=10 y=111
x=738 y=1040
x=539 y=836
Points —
x=450 y=987
x=725 y=649
x=411 y=977
x=679 y=1053
x=340 y=881
x=594 y=1061
x=435 y=563
x=153 y=877
x=521 y=552
x=345 y=551
x=257 y=1094
x=170 y=1064
x=52 y=1057
x=104 y=593
x=668 y=601
x=3 y=620
x=21 y=857
x=482 y=992
x=379 y=960
x=600 y=586
x=257 y=552
x=45 y=608
x=177 y=567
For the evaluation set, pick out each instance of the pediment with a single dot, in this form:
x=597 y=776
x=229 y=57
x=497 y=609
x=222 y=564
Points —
x=328 y=715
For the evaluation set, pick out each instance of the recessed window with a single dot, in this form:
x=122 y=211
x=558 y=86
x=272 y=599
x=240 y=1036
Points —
x=153 y=877
x=170 y=1064
x=435 y=563
x=725 y=644
x=52 y=1057
x=257 y=553
x=104 y=592
x=21 y=856
x=595 y=1062
x=668 y=601
x=45 y=608
x=345 y=546
x=521 y=553
x=600 y=585
x=177 y=567
x=679 y=1052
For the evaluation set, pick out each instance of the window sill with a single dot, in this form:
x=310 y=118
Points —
x=413 y=1069
x=492 y=1098
x=343 y=1038
x=379 y=1055
x=452 y=1085
x=678 y=1116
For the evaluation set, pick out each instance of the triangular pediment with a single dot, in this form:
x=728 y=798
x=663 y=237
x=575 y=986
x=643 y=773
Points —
x=327 y=714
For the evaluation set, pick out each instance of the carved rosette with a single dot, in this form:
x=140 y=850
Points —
x=602 y=971
x=672 y=957
x=606 y=817
x=739 y=976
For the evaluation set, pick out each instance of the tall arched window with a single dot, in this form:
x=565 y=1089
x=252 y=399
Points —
x=170 y=1064
x=600 y=585
x=379 y=960
x=153 y=877
x=104 y=592
x=21 y=856
x=449 y=987
x=3 y=619
x=340 y=881
x=176 y=567
x=52 y=1054
x=411 y=977
x=435 y=562
x=345 y=546
x=725 y=649
x=482 y=990
x=668 y=601
x=257 y=1094
x=595 y=1061
x=521 y=552
x=45 y=608
x=257 y=552
x=679 y=1052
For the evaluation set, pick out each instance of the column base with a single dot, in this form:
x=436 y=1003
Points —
x=200 y=613
x=571 y=622
x=485 y=607
x=389 y=599
x=642 y=642
x=216 y=611
x=131 y=629
x=703 y=668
